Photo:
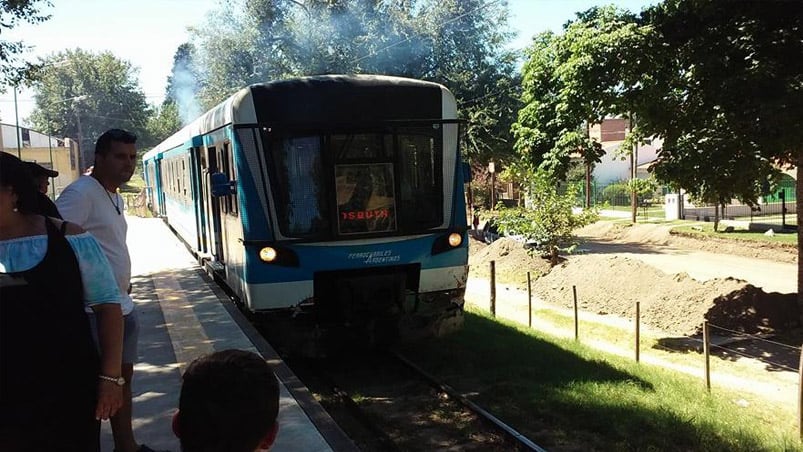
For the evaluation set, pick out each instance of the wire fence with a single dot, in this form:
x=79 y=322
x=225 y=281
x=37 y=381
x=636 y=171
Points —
x=136 y=203
x=777 y=207
x=777 y=355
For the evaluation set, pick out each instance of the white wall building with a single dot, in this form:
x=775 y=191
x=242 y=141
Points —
x=615 y=164
x=60 y=154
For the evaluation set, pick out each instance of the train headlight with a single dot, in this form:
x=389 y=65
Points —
x=455 y=239
x=268 y=254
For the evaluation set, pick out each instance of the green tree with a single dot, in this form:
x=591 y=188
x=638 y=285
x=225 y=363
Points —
x=163 y=122
x=81 y=94
x=548 y=222
x=457 y=43
x=12 y=13
x=551 y=131
x=709 y=164
x=466 y=54
x=719 y=82
x=735 y=68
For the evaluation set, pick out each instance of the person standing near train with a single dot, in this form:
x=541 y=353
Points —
x=54 y=385
x=93 y=203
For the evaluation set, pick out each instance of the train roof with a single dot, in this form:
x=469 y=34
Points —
x=239 y=108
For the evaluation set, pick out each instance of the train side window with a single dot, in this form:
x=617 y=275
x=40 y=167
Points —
x=176 y=178
x=185 y=178
x=212 y=160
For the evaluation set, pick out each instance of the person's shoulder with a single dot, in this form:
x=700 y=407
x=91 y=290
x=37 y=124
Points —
x=82 y=181
x=82 y=186
x=70 y=229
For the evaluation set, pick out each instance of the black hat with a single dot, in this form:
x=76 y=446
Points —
x=39 y=170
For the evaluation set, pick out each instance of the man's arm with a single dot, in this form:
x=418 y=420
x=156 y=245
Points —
x=74 y=206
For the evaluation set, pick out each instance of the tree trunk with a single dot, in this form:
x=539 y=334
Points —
x=553 y=256
x=633 y=206
x=799 y=204
x=716 y=217
x=588 y=185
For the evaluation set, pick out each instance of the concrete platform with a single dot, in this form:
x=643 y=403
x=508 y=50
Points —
x=184 y=315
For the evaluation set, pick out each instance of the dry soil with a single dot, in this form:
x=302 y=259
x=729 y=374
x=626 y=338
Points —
x=611 y=284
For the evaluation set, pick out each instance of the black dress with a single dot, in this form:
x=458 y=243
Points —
x=48 y=361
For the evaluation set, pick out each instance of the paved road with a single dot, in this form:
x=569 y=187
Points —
x=702 y=266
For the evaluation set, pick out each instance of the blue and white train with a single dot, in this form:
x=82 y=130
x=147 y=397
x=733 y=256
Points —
x=327 y=201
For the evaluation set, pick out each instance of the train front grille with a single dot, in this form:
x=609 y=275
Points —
x=355 y=297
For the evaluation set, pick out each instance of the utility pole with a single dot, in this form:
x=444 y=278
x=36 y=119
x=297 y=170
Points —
x=81 y=157
x=52 y=164
x=18 y=135
x=588 y=167
x=633 y=163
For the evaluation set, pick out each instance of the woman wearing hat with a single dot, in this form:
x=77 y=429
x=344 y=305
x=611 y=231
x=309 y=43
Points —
x=54 y=382
x=41 y=176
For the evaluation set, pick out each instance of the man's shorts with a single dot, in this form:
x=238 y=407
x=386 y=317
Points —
x=130 y=335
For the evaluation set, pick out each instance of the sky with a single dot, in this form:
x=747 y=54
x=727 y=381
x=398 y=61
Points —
x=147 y=33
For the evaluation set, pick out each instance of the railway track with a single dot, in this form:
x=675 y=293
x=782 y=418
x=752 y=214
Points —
x=383 y=401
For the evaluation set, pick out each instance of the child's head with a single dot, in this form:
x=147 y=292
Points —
x=229 y=401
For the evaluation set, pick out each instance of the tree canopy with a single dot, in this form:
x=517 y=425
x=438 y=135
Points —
x=13 y=70
x=80 y=94
x=460 y=44
x=719 y=82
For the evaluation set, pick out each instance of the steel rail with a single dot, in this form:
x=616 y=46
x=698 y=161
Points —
x=509 y=431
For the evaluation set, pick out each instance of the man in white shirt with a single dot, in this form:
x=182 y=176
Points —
x=93 y=203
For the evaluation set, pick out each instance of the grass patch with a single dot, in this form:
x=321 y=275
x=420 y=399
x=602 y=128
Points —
x=562 y=394
x=707 y=229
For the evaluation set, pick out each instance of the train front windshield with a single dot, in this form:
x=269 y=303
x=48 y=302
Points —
x=341 y=185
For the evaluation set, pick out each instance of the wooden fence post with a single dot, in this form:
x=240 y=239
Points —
x=800 y=396
x=638 y=329
x=529 y=302
x=493 y=288
x=576 y=321
x=707 y=353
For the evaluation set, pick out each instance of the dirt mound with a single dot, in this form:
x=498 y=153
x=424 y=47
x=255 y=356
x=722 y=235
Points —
x=513 y=261
x=673 y=303
x=751 y=310
x=638 y=233
x=610 y=284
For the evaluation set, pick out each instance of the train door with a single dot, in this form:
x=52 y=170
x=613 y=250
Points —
x=160 y=192
x=231 y=227
x=212 y=206
x=197 y=165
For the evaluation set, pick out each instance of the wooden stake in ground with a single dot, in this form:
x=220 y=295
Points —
x=529 y=302
x=638 y=329
x=707 y=353
x=493 y=288
x=800 y=396
x=576 y=329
